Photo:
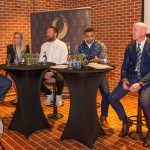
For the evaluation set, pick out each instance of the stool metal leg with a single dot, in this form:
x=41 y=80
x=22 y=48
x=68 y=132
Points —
x=55 y=115
x=138 y=134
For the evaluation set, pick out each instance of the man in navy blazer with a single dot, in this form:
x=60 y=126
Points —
x=5 y=85
x=131 y=81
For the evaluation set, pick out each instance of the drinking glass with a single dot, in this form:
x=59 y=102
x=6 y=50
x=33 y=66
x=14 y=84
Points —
x=16 y=60
x=68 y=46
x=8 y=58
x=37 y=58
x=34 y=58
x=21 y=59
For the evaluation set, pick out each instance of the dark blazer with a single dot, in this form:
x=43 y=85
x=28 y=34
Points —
x=129 y=64
x=10 y=50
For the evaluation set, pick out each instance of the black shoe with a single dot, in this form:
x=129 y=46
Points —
x=125 y=128
x=146 y=142
x=103 y=122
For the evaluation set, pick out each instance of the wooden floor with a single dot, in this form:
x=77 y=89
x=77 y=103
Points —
x=49 y=139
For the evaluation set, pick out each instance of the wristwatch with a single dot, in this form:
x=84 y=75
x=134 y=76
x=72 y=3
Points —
x=141 y=84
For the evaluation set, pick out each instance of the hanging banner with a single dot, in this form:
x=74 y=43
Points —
x=70 y=23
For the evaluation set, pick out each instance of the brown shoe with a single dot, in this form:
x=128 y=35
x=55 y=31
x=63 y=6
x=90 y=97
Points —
x=103 y=121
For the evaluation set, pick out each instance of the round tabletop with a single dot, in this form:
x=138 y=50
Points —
x=85 y=69
x=26 y=67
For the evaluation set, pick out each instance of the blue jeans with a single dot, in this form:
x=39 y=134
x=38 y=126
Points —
x=104 y=89
x=5 y=85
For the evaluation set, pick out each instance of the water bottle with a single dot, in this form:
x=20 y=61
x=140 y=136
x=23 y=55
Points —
x=16 y=59
x=78 y=64
x=68 y=46
x=85 y=61
x=69 y=62
x=106 y=58
x=79 y=60
x=37 y=58
x=82 y=55
x=74 y=62
x=22 y=60
x=44 y=58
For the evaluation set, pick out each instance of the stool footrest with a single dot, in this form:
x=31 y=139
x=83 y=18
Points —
x=136 y=136
x=55 y=117
x=138 y=122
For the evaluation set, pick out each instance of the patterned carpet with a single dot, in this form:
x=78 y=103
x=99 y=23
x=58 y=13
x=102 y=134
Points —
x=49 y=139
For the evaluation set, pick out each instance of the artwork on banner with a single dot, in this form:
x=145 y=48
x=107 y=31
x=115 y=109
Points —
x=70 y=23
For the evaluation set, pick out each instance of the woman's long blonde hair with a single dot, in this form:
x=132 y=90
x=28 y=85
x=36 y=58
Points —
x=23 y=46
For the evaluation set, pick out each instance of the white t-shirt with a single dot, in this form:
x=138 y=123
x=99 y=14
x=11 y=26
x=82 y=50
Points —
x=56 y=51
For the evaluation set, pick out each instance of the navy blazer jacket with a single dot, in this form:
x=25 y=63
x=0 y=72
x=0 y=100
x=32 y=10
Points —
x=129 y=64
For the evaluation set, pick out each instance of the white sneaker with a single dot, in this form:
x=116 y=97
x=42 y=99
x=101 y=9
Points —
x=58 y=100
x=48 y=100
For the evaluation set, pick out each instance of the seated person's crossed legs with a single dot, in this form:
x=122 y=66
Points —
x=59 y=87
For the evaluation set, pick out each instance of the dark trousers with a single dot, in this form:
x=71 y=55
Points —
x=59 y=85
x=104 y=89
x=144 y=97
x=5 y=85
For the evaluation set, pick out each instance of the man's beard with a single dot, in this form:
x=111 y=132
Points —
x=50 y=39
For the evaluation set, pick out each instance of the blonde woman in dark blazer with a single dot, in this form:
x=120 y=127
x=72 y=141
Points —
x=17 y=47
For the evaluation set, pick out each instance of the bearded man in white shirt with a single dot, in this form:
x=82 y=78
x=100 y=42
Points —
x=56 y=51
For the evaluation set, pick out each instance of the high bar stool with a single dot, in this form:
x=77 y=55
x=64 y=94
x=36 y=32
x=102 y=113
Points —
x=139 y=119
x=55 y=115
x=1 y=133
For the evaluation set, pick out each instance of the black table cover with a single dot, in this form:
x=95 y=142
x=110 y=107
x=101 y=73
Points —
x=28 y=116
x=83 y=124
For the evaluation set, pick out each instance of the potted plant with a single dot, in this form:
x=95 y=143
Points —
x=28 y=58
